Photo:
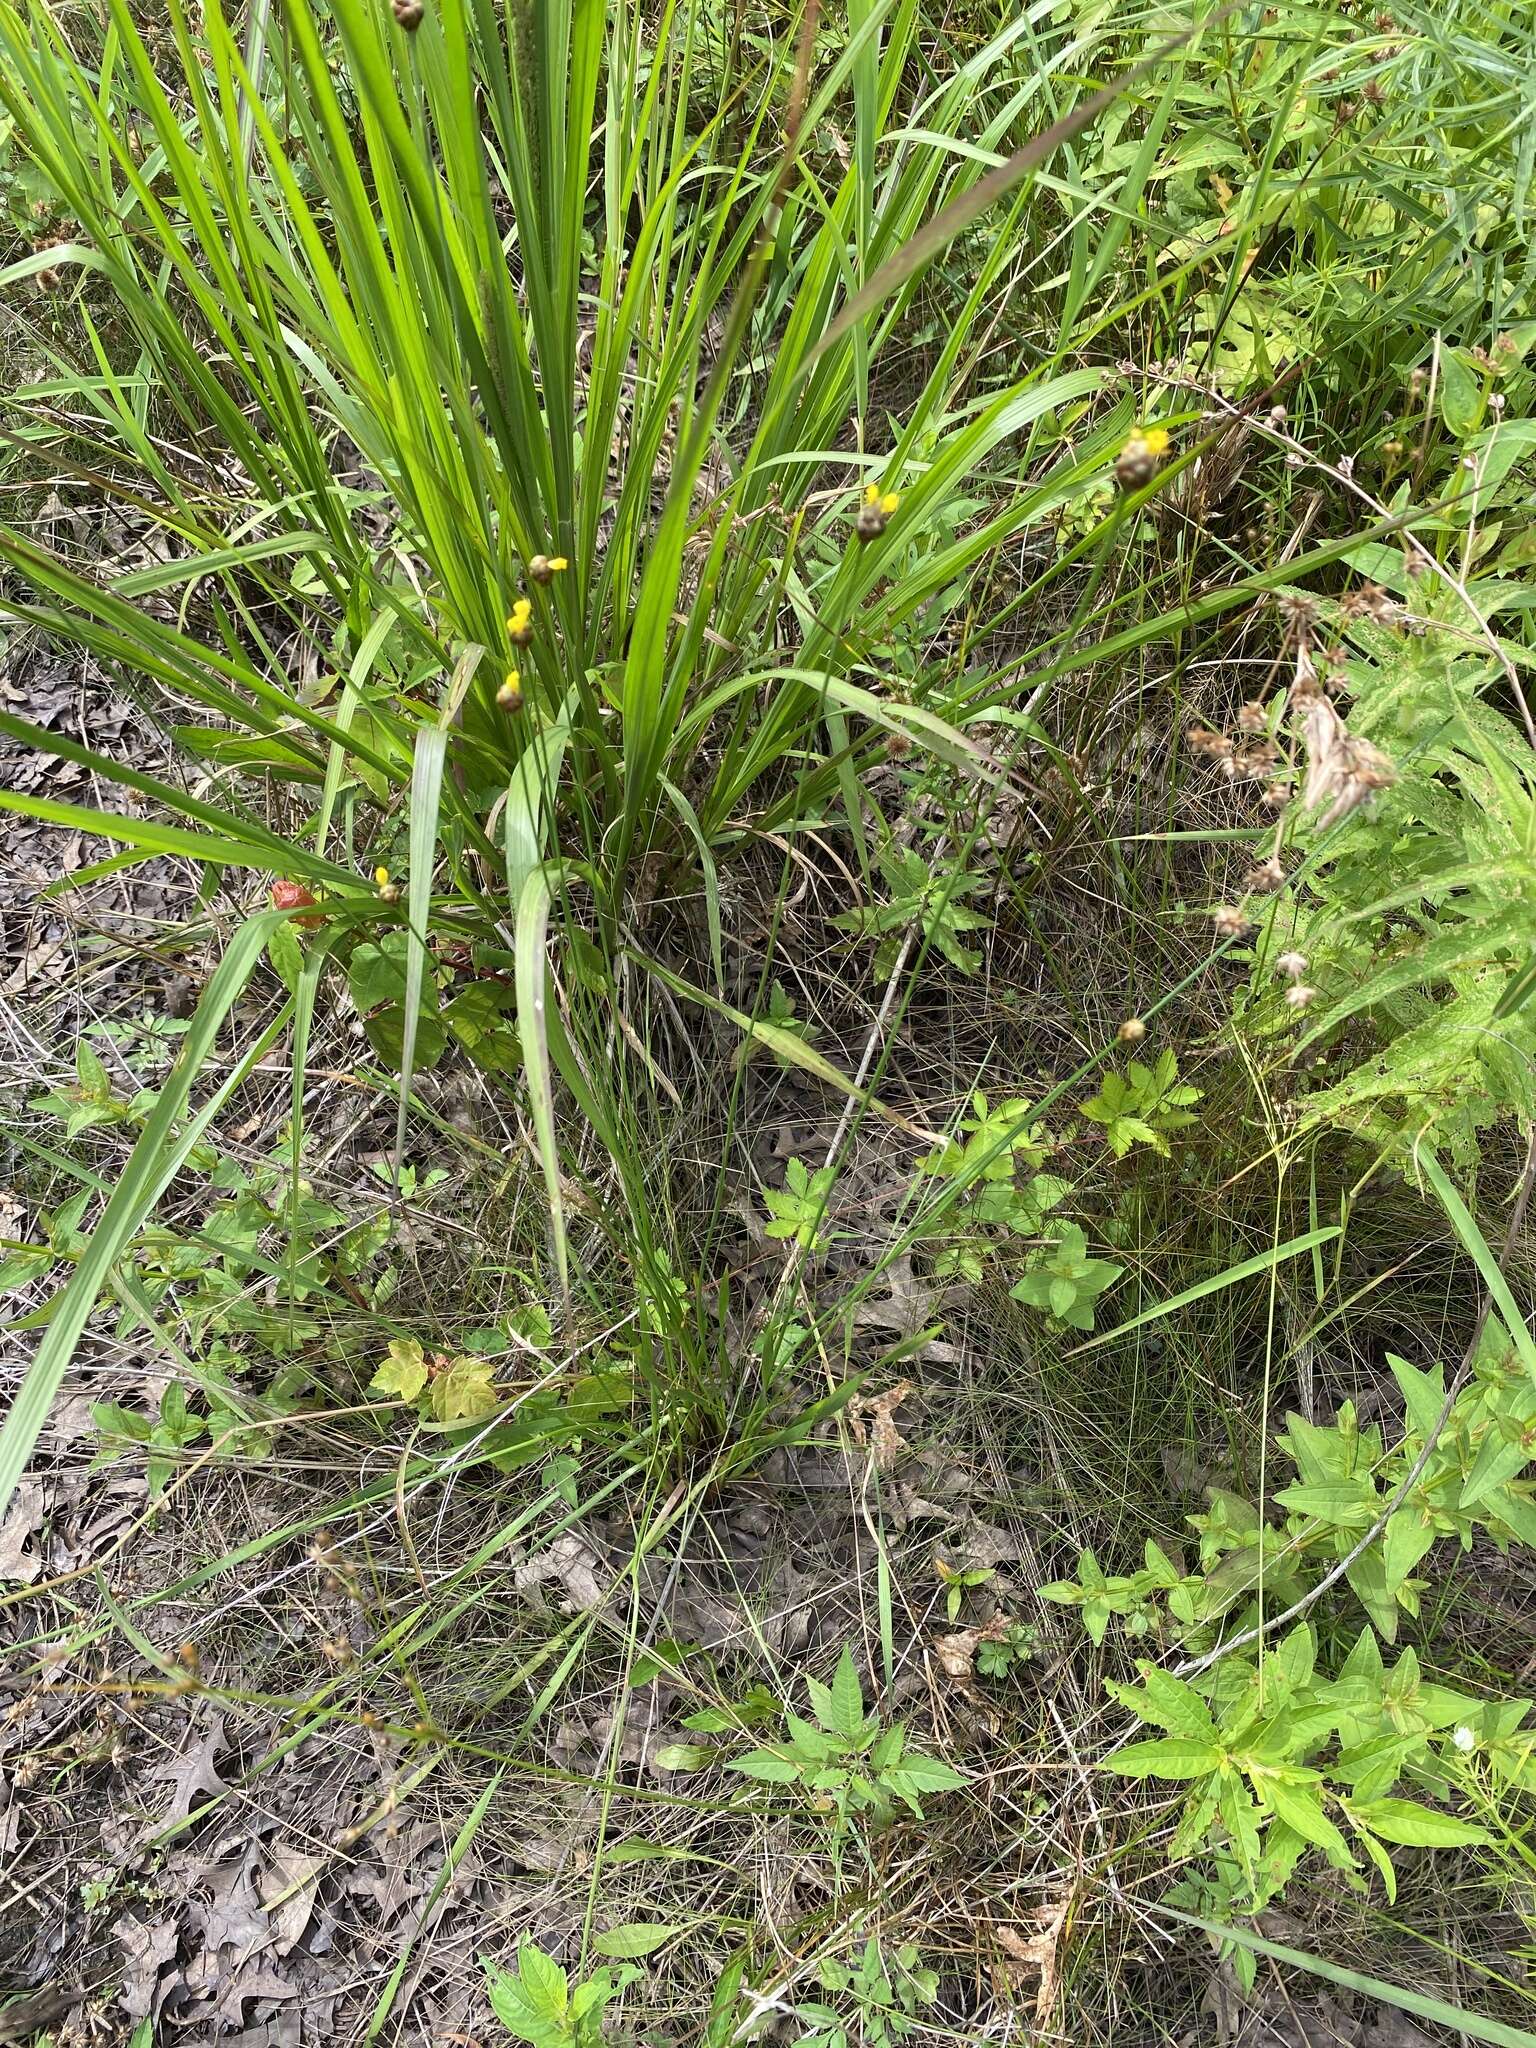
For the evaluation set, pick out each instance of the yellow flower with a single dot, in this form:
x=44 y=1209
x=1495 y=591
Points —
x=542 y=567
x=510 y=696
x=1136 y=464
x=520 y=623
x=876 y=509
x=381 y=876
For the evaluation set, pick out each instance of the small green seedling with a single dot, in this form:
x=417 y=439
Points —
x=958 y=1583
x=799 y=1207
x=848 y=1763
x=536 y=2004
x=884 y=1997
x=1140 y=1106
x=1064 y=1281
x=919 y=896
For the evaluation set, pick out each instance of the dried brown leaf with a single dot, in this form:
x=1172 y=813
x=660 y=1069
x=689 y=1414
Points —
x=193 y=1772
x=1030 y=1953
x=872 y=1419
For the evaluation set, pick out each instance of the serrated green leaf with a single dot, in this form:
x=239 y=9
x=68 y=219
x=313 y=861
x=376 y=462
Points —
x=765 y=1766
x=846 y=1699
x=1301 y=1808
x=403 y=1371
x=464 y=1391
x=1168 y=1703
x=683 y=1756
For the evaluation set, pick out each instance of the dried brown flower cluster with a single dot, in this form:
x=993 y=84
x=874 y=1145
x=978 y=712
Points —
x=1249 y=758
x=1341 y=771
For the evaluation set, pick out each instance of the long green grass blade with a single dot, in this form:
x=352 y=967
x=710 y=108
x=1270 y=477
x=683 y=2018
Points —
x=1470 y=2026
x=156 y=1156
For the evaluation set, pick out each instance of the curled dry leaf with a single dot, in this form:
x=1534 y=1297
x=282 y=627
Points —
x=872 y=1420
x=570 y=1564
x=288 y=1891
x=1035 y=1952
x=18 y=1561
x=956 y=1652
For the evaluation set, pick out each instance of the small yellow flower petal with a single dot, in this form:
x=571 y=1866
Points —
x=889 y=503
x=558 y=562
x=381 y=876
x=1157 y=439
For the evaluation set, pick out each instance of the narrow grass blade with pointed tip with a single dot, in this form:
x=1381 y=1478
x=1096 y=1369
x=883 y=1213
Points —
x=162 y=1146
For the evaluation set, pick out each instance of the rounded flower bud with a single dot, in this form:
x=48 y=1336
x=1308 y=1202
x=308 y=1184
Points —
x=874 y=512
x=1137 y=462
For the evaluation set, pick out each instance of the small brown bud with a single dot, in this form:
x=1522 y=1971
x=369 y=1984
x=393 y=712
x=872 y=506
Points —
x=510 y=696
x=1132 y=1031
x=389 y=892
x=409 y=14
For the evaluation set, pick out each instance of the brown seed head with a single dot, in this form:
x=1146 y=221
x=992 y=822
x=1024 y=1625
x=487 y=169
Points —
x=1265 y=878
